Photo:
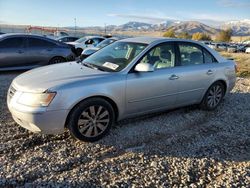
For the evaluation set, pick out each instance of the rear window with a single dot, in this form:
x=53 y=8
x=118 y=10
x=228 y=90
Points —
x=193 y=54
x=35 y=42
x=208 y=58
x=16 y=42
x=190 y=54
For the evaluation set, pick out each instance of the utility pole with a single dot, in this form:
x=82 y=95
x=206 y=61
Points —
x=105 y=30
x=75 y=27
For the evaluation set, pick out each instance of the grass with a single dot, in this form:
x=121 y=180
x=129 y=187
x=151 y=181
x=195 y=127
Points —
x=243 y=62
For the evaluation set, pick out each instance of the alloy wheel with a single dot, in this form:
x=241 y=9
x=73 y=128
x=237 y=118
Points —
x=214 y=96
x=93 y=121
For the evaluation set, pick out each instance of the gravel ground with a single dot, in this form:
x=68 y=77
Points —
x=181 y=148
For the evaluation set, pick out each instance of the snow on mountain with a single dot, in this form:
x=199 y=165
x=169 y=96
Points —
x=239 y=27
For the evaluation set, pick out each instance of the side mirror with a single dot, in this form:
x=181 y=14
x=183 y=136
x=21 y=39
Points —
x=144 y=67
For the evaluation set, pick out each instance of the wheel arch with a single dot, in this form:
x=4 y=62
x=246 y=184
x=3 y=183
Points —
x=108 y=99
x=56 y=57
x=223 y=82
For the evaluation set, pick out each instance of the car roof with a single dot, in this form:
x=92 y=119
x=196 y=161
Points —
x=67 y=37
x=19 y=34
x=145 y=40
x=90 y=37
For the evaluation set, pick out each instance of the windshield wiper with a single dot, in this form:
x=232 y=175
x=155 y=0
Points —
x=88 y=65
x=93 y=66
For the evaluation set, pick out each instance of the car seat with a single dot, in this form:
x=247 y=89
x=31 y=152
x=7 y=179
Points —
x=164 y=60
x=196 y=58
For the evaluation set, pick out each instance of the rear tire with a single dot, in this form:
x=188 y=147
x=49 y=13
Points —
x=79 y=51
x=56 y=60
x=91 y=119
x=213 y=96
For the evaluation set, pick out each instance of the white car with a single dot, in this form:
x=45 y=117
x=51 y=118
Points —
x=248 y=50
x=87 y=41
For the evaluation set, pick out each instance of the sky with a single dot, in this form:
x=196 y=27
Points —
x=60 y=13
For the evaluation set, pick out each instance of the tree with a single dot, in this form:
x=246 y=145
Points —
x=169 y=33
x=201 y=36
x=184 y=35
x=224 y=36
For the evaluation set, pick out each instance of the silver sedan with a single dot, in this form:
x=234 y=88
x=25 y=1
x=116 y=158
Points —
x=128 y=78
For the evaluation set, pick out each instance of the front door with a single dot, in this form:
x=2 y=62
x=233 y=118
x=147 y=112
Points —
x=147 y=91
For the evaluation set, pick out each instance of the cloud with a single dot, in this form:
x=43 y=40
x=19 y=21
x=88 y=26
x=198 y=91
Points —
x=148 y=18
x=234 y=3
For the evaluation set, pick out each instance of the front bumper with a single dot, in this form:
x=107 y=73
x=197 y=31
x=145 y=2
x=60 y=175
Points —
x=37 y=119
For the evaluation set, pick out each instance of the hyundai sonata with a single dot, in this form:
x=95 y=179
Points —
x=128 y=78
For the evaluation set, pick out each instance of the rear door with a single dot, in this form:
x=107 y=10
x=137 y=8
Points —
x=195 y=72
x=13 y=52
x=40 y=51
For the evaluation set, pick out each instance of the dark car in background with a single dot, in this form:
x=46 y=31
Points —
x=24 y=51
x=89 y=51
x=67 y=39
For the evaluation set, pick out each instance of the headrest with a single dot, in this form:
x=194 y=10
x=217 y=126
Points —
x=196 y=57
x=165 y=54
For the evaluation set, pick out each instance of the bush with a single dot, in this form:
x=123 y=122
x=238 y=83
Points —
x=184 y=35
x=224 y=36
x=169 y=33
x=201 y=36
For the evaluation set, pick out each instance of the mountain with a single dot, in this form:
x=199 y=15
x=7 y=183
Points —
x=134 y=26
x=190 y=27
x=239 y=27
x=193 y=27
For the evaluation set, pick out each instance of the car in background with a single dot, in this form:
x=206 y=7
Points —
x=85 y=42
x=247 y=50
x=206 y=42
x=128 y=78
x=232 y=48
x=24 y=51
x=67 y=39
x=89 y=51
x=218 y=46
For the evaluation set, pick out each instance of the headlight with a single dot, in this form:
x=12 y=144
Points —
x=35 y=99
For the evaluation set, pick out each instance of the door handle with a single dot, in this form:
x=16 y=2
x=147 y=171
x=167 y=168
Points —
x=209 y=72
x=174 y=77
x=49 y=50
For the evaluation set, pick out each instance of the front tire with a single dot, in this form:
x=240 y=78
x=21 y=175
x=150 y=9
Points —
x=213 y=96
x=91 y=119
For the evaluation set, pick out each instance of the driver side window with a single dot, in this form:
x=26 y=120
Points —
x=161 y=56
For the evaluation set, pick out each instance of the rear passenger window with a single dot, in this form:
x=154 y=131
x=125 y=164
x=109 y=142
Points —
x=17 y=42
x=190 y=54
x=208 y=58
x=35 y=42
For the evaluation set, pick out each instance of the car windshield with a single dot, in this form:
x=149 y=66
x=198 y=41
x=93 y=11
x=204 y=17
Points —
x=81 y=40
x=105 y=43
x=115 y=57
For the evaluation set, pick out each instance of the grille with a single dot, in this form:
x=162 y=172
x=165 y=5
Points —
x=12 y=92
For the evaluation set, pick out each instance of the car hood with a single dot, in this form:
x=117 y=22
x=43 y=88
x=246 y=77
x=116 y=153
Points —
x=41 y=79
